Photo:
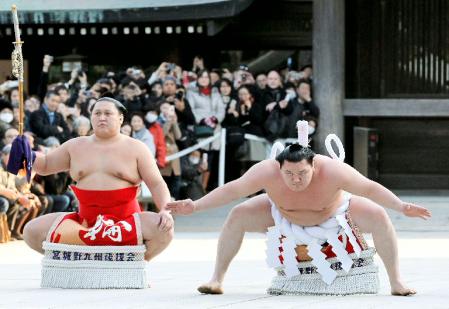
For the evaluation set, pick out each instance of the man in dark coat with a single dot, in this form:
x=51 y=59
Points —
x=47 y=121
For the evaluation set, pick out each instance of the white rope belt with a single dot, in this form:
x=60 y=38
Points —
x=313 y=237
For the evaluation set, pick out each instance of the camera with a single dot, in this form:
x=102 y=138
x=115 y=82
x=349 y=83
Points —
x=171 y=111
x=80 y=72
x=243 y=67
x=179 y=95
x=244 y=77
x=171 y=67
x=136 y=72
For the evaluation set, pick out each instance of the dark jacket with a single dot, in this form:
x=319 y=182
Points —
x=298 y=110
x=273 y=95
x=42 y=85
x=186 y=117
x=56 y=184
x=136 y=105
x=189 y=171
x=252 y=121
x=40 y=125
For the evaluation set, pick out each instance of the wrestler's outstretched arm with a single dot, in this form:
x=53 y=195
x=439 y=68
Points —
x=55 y=161
x=250 y=182
x=149 y=172
x=352 y=181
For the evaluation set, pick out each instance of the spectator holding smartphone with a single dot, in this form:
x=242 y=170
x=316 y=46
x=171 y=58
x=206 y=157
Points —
x=172 y=170
x=130 y=97
x=274 y=94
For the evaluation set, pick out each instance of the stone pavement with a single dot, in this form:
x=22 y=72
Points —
x=188 y=262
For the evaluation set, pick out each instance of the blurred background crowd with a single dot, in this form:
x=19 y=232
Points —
x=169 y=109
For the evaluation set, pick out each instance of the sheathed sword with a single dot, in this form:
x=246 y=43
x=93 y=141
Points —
x=21 y=157
x=17 y=65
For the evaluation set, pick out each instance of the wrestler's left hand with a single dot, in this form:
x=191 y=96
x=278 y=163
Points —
x=166 y=222
x=412 y=210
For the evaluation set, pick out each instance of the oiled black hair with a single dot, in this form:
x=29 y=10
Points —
x=120 y=107
x=295 y=153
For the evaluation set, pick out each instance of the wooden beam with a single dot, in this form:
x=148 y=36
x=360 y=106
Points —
x=396 y=107
x=108 y=11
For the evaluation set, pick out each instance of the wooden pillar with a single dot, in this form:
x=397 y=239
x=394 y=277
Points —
x=328 y=67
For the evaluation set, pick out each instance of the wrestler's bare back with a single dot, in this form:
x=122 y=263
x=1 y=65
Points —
x=311 y=206
x=106 y=165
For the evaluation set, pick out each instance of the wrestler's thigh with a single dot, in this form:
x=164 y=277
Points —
x=37 y=229
x=254 y=214
x=367 y=215
x=149 y=222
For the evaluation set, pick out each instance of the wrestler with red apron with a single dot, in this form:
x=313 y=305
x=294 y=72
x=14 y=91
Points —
x=105 y=218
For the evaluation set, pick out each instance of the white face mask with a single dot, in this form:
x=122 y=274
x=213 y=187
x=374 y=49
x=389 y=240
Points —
x=150 y=117
x=194 y=160
x=311 y=130
x=6 y=117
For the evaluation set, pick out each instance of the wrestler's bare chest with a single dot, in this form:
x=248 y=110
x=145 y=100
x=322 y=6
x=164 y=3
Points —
x=306 y=208
x=114 y=161
x=313 y=198
x=310 y=206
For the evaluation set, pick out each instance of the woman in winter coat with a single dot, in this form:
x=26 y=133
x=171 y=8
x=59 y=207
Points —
x=209 y=110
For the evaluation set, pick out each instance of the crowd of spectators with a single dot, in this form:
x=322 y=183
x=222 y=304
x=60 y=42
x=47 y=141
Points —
x=168 y=110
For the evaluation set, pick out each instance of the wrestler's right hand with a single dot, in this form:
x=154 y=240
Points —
x=166 y=221
x=183 y=207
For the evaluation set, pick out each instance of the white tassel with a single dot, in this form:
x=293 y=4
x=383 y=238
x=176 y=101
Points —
x=94 y=278
x=273 y=243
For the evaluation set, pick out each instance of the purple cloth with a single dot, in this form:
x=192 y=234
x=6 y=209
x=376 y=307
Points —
x=20 y=155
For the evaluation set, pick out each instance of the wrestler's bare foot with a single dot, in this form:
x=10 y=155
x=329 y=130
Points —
x=212 y=287
x=399 y=289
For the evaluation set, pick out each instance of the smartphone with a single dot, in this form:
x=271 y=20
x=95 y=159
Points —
x=289 y=63
x=244 y=67
x=71 y=110
x=49 y=58
x=205 y=157
x=179 y=95
x=171 y=67
x=172 y=109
